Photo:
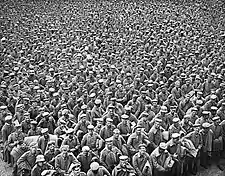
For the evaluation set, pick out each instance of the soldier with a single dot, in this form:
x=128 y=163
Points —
x=75 y=170
x=72 y=141
x=141 y=162
x=96 y=169
x=51 y=152
x=91 y=139
x=43 y=140
x=27 y=161
x=85 y=158
x=206 y=150
x=7 y=129
x=64 y=160
x=178 y=153
x=217 y=142
x=109 y=156
x=107 y=130
x=123 y=168
x=175 y=127
x=125 y=126
x=34 y=130
x=161 y=160
x=40 y=166
x=135 y=139
x=155 y=135
x=196 y=139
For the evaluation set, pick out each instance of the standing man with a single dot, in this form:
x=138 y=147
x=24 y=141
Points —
x=161 y=160
x=109 y=156
x=7 y=129
x=141 y=162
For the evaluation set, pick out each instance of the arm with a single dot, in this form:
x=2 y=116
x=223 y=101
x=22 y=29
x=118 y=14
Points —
x=156 y=165
x=105 y=171
x=84 y=141
x=103 y=158
x=57 y=166
x=151 y=139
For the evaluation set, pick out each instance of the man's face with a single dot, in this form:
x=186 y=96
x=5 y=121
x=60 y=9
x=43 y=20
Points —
x=83 y=119
x=111 y=111
x=138 y=131
x=64 y=153
x=116 y=135
x=108 y=123
x=157 y=125
x=154 y=103
x=51 y=147
x=123 y=163
x=33 y=150
x=109 y=145
x=40 y=164
x=27 y=118
x=45 y=135
x=91 y=131
x=142 y=150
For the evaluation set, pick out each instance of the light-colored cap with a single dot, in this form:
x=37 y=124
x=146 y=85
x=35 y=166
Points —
x=206 y=125
x=123 y=157
x=124 y=116
x=85 y=148
x=162 y=145
x=175 y=135
x=94 y=166
x=90 y=127
x=175 y=120
x=40 y=158
x=44 y=130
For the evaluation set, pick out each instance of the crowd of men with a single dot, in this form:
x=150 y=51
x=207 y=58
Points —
x=112 y=88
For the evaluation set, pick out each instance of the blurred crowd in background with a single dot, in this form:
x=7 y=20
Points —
x=116 y=88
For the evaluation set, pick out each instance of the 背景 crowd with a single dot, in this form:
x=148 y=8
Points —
x=121 y=88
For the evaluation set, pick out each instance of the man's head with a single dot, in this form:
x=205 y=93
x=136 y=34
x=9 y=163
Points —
x=90 y=129
x=162 y=147
x=85 y=150
x=142 y=148
x=94 y=167
x=33 y=147
x=40 y=159
x=109 y=122
x=18 y=127
x=44 y=132
x=197 y=127
x=158 y=123
x=123 y=161
x=109 y=143
x=8 y=119
x=138 y=130
x=175 y=137
x=64 y=150
x=51 y=145
x=216 y=120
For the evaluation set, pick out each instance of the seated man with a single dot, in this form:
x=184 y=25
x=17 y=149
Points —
x=64 y=160
x=27 y=161
x=40 y=166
